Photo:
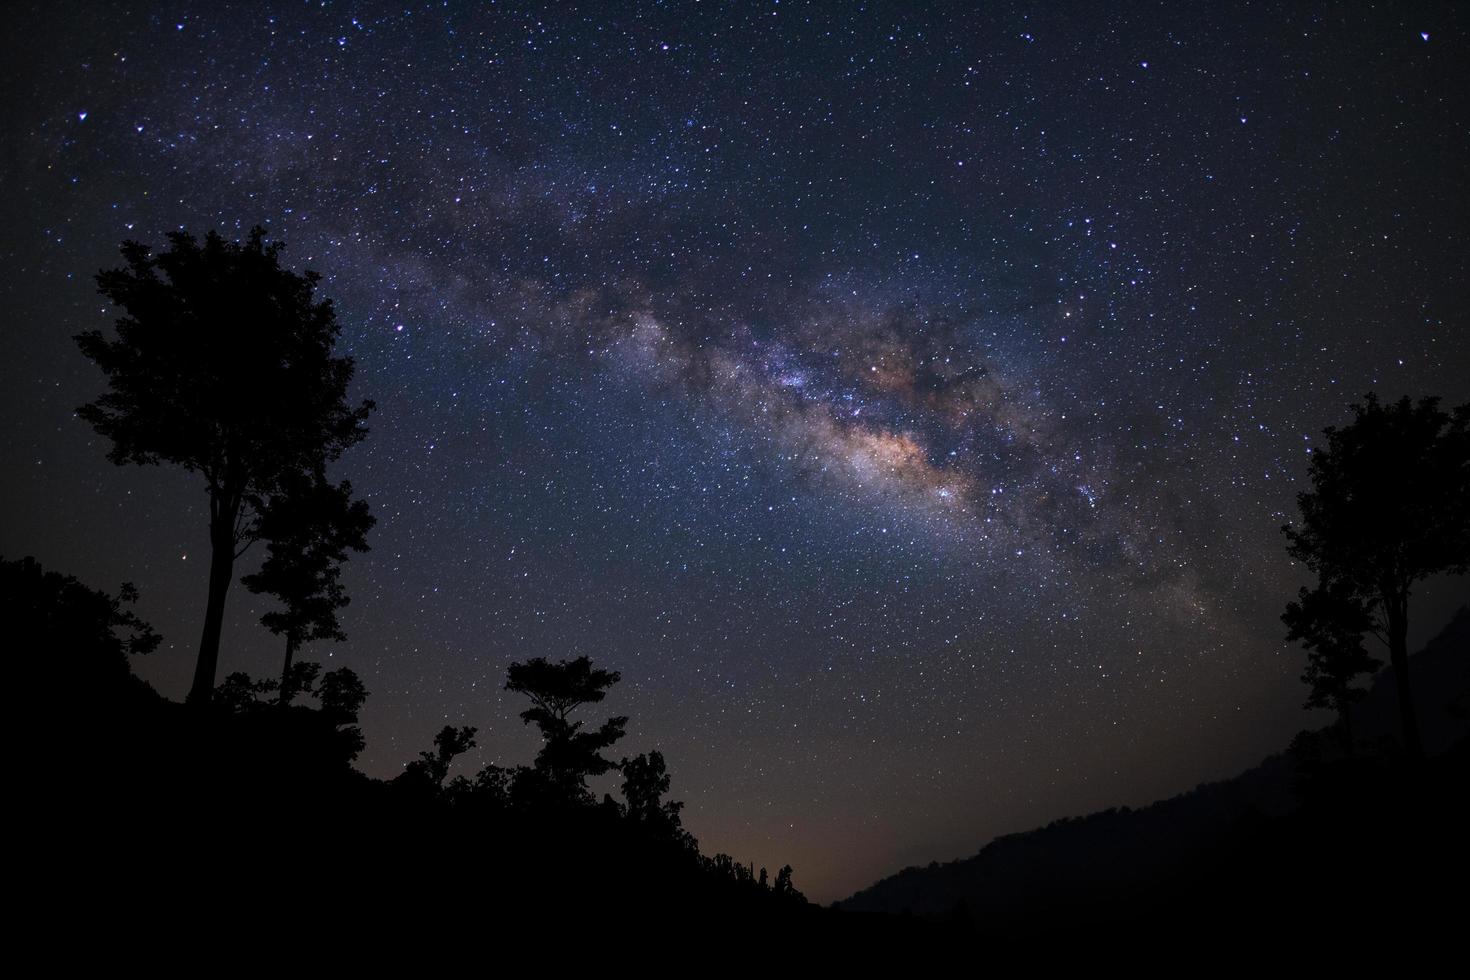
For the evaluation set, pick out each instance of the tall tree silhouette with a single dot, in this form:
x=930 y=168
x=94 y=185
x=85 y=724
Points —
x=570 y=753
x=223 y=365
x=308 y=526
x=1330 y=621
x=1389 y=506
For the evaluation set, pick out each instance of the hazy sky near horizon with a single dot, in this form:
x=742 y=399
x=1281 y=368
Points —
x=905 y=398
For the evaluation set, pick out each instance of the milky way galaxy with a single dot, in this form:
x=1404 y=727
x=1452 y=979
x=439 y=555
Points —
x=905 y=398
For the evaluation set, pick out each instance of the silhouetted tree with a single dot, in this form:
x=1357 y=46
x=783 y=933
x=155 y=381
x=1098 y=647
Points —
x=333 y=726
x=1389 y=506
x=298 y=678
x=491 y=785
x=239 y=692
x=222 y=365
x=308 y=526
x=570 y=754
x=784 y=886
x=341 y=694
x=433 y=767
x=1330 y=621
x=645 y=781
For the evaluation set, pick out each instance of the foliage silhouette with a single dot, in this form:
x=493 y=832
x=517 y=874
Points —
x=645 y=781
x=570 y=754
x=308 y=525
x=1330 y=621
x=783 y=886
x=1389 y=506
x=239 y=692
x=431 y=768
x=297 y=679
x=223 y=365
x=341 y=694
x=491 y=786
x=87 y=635
x=330 y=729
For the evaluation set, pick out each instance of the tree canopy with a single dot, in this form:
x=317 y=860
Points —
x=308 y=526
x=84 y=636
x=570 y=753
x=1389 y=507
x=645 y=783
x=1330 y=622
x=431 y=768
x=223 y=364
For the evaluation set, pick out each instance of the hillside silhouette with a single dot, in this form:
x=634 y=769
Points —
x=1299 y=839
x=221 y=811
x=243 y=800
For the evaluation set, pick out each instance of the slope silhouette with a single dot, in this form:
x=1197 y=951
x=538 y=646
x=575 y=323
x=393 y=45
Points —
x=1287 y=845
x=244 y=816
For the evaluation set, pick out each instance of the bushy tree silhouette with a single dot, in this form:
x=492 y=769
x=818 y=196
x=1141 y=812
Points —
x=308 y=526
x=296 y=679
x=1330 y=622
x=431 y=768
x=77 y=637
x=490 y=786
x=239 y=692
x=570 y=753
x=340 y=697
x=342 y=694
x=1389 y=507
x=223 y=365
x=784 y=886
x=645 y=781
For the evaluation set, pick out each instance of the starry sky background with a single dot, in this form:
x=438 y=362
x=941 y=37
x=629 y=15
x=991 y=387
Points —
x=905 y=398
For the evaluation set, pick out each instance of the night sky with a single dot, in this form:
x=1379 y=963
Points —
x=906 y=401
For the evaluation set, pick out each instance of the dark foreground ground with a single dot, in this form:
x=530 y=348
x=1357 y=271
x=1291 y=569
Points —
x=205 y=823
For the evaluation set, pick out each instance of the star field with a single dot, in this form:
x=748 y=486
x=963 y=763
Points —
x=906 y=401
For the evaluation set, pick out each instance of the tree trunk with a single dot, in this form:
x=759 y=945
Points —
x=1398 y=653
x=221 y=573
x=286 y=670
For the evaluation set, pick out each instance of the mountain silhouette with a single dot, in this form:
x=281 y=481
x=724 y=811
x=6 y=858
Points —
x=1305 y=820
